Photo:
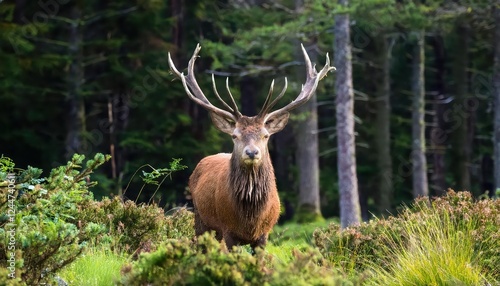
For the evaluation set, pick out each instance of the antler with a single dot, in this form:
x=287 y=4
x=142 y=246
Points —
x=313 y=77
x=194 y=92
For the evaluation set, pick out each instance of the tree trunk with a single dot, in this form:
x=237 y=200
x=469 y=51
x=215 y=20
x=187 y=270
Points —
x=496 y=85
x=383 y=134
x=19 y=11
x=76 y=105
x=350 y=213
x=306 y=136
x=308 y=164
x=177 y=10
x=248 y=89
x=282 y=160
x=306 y=152
x=439 y=131
x=419 y=162
x=461 y=113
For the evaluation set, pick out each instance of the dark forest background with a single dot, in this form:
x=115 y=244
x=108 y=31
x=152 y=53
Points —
x=92 y=76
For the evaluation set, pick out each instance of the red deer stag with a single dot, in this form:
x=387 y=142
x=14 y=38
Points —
x=235 y=194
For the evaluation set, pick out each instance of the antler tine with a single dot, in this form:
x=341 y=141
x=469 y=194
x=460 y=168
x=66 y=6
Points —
x=268 y=99
x=312 y=79
x=192 y=88
x=235 y=106
x=273 y=103
x=218 y=96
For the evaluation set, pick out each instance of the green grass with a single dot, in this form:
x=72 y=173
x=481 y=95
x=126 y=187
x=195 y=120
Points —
x=300 y=233
x=428 y=247
x=437 y=252
x=95 y=268
x=292 y=236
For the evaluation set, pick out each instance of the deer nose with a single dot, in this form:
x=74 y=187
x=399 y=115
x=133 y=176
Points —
x=251 y=153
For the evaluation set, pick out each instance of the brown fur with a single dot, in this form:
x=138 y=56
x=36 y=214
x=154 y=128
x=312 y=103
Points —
x=235 y=194
x=240 y=202
x=225 y=205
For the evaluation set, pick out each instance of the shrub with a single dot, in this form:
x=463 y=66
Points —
x=359 y=248
x=52 y=219
x=205 y=261
x=41 y=214
x=181 y=262
x=133 y=228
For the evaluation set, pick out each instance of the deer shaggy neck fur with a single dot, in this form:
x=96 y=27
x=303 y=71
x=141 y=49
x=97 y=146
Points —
x=251 y=185
x=239 y=202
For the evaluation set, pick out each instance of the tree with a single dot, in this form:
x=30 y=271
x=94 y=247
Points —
x=307 y=157
x=496 y=95
x=76 y=104
x=419 y=161
x=350 y=213
x=439 y=130
x=383 y=133
x=461 y=116
x=306 y=136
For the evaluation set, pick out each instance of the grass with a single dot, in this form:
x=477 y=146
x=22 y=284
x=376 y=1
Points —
x=292 y=236
x=442 y=244
x=437 y=252
x=95 y=268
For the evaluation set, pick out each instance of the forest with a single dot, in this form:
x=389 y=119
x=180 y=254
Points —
x=411 y=110
x=388 y=172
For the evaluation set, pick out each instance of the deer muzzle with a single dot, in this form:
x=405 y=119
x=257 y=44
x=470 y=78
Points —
x=251 y=155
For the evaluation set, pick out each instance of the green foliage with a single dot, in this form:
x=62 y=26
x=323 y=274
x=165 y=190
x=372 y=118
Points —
x=94 y=268
x=151 y=177
x=295 y=233
x=6 y=165
x=5 y=280
x=206 y=262
x=465 y=231
x=41 y=217
x=438 y=252
x=133 y=228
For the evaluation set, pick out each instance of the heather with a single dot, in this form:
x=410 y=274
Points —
x=66 y=235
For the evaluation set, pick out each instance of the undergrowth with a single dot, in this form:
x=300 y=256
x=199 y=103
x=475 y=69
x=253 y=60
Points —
x=94 y=268
x=450 y=240
x=63 y=233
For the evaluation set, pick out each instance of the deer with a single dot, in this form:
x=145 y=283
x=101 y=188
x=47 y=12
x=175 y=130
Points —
x=235 y=194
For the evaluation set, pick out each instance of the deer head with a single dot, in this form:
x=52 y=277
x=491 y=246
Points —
x=250 y=134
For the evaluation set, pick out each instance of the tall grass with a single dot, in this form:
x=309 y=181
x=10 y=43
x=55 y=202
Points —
x=436 y=251
x=284 y=239
x=95 y=268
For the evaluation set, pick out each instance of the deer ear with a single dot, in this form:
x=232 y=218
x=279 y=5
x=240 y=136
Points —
x=222 y=123
x=277 y=123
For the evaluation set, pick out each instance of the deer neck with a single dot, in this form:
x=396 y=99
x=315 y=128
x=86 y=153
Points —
x=250 y=185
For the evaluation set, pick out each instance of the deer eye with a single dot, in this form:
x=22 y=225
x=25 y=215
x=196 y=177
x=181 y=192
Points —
x=234 y=136
x=266 y=136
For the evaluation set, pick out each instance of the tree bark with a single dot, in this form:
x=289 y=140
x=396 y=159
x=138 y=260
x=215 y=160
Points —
x=248 y=89
x=308 y=162
x=350 y=213
x=306 y=152
x=461 y=113
x=419 y=161
x=496 y=88
x=383 y=134
x=19 y=11
x=439 y=131
x=76 y=105
x=282 y=160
